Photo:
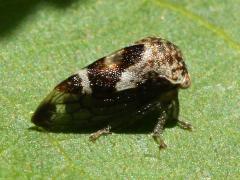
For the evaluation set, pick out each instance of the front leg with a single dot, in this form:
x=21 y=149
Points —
x=173 y=111
x=158 y=130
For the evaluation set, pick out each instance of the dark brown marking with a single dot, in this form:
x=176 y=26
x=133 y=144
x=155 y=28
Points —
x=176 y=56
x=71 y=85
x=131 y=55
x=150 y=63
x=170 y=59
x=103 y=77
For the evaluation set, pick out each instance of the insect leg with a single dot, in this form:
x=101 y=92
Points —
x=158 y=130
x=175 y=113
x=184 y=125
x=105 y=131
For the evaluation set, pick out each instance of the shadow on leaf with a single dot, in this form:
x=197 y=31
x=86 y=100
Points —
x=143 y=126
x=12 y=12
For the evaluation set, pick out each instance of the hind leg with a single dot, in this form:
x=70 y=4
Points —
x=158 y=130
x=114 y=124
x=105 y=131
x=184 y=125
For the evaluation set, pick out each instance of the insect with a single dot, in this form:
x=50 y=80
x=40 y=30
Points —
x=118 y=90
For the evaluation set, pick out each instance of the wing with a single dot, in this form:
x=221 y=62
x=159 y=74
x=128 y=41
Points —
x=105 y=73
x=67 y=108
x=89 y=97
x=72 y=105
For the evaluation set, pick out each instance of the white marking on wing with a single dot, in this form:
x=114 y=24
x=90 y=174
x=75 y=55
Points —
x=83 y=74
x=133 y=74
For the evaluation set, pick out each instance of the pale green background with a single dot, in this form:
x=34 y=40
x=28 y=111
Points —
x=44 y=41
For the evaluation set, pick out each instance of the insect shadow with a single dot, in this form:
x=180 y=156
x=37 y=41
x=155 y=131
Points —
x=142 y=126
x=12 y=12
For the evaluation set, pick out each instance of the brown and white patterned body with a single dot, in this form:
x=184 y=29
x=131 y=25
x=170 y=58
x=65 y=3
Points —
x=119 y=89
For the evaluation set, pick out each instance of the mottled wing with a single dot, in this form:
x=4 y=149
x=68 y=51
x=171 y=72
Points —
x=105 y=73
x=89 y=97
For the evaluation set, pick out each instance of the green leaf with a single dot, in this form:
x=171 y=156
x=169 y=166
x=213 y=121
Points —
x=43 y=42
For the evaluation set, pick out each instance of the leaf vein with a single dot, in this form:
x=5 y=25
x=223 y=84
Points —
x=201 y=21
